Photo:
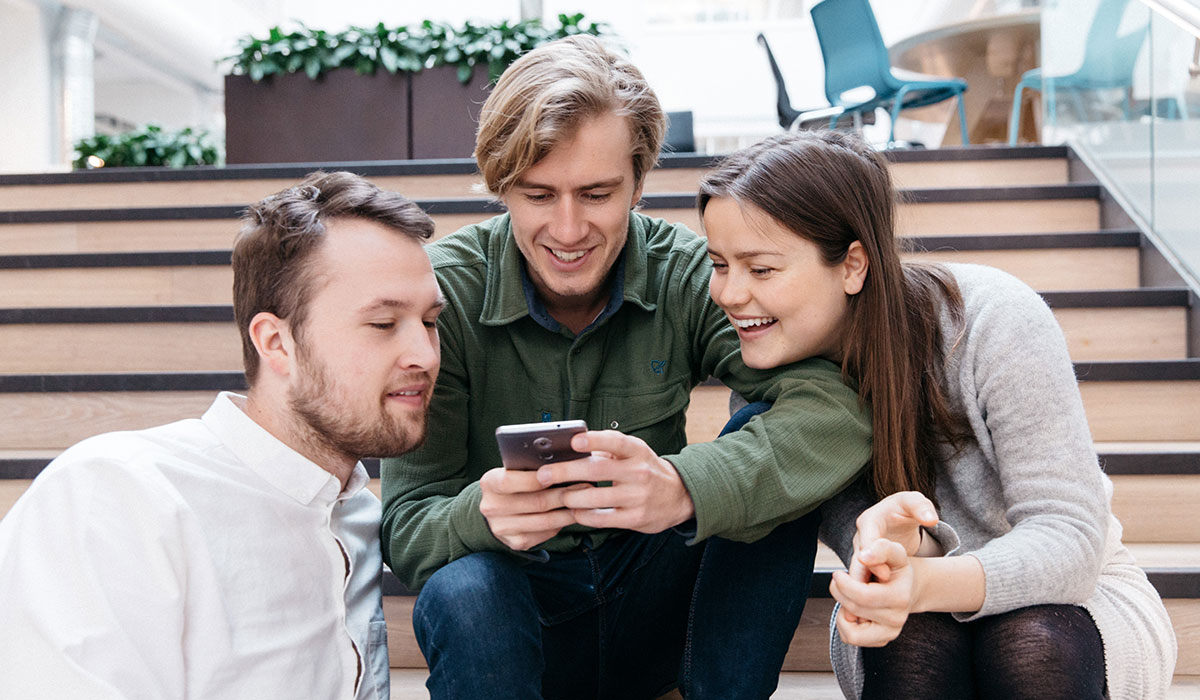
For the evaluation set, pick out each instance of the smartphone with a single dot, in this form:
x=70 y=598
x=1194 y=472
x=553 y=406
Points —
x=527 y=446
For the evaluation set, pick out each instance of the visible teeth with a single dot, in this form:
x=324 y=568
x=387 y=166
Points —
x=406 y=393
x=751 y=322
x=566 y=256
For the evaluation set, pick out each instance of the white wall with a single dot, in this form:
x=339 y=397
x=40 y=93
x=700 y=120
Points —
x=26 y=101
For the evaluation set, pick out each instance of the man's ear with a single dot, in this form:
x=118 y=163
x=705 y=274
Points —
x=272 y=337
x=854 y=269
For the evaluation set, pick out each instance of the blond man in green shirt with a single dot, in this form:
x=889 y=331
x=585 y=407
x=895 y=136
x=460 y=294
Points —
x=572 y=305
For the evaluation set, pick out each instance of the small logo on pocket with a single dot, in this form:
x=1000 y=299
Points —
x=658 y=366
x=547 y=417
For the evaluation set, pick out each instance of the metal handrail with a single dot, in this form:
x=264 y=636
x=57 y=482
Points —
x=1181 y=12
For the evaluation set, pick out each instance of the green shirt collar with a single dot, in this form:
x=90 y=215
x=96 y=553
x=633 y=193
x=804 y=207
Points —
x=504 y=298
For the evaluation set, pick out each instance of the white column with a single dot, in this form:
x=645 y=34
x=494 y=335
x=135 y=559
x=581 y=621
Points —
x=72 y=54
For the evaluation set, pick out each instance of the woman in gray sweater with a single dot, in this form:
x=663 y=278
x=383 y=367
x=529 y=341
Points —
x=983 y=557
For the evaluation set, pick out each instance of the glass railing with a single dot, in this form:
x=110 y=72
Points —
x=1120 y=82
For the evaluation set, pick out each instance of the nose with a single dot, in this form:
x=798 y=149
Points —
x=569 y=225
x=419 y=349
x=729 y=290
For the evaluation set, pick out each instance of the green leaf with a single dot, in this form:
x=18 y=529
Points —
x=389 y=58
x=464 y=73
x=312 y=67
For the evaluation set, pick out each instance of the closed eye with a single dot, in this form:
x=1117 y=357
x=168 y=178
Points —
x=383 y=325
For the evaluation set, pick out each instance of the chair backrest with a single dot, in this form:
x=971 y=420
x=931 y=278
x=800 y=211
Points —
x=853 y=49
x=1109 y=57
x=783 y=104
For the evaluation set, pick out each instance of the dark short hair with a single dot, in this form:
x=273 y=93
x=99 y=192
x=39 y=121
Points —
x=272 y=253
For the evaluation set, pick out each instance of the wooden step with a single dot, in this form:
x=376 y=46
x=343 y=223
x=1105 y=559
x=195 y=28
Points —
x=1145 y=324
x=243 y=184
x=1120 y=407
x=926 y=212
x=409 y=684
x=1155 y=508
x=1156 y=400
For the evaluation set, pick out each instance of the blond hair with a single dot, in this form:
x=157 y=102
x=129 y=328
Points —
x=545 y=95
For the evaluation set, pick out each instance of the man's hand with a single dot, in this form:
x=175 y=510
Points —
x=521 y=512
x=646 y=492
x=874 y=611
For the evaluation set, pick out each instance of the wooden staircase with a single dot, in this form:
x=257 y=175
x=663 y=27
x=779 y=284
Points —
x=115 y=314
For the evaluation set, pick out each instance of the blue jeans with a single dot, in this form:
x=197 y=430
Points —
x=630 y=618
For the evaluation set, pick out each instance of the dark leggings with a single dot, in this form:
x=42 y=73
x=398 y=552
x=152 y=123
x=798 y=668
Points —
x=1043 y=651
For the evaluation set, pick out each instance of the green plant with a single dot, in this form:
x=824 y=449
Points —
x=148 y=145
x=399 y=49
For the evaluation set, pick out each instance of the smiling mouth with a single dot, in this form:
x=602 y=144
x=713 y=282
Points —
x=567 y=255
x=745 y=324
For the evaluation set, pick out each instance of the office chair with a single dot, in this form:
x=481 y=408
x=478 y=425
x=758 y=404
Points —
x=859 y=76
x=1108 y=62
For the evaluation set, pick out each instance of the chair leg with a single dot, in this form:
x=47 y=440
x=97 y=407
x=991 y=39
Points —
x=962 y=119
x=1014 y=120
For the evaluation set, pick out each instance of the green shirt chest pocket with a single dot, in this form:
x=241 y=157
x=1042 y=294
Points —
x=657 y=416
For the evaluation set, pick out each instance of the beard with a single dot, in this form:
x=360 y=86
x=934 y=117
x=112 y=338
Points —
x=330 y=420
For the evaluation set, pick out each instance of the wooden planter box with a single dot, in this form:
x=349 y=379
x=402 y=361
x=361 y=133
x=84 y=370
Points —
x=343 y=116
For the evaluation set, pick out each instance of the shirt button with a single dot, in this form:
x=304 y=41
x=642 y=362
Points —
x=614 y=425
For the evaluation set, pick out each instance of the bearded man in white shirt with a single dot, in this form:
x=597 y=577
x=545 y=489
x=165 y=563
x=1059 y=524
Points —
x=237 y=555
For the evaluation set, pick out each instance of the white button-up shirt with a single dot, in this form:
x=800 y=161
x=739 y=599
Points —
x=199 y=559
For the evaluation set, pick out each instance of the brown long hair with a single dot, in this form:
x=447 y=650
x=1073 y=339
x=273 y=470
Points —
x=832 y=189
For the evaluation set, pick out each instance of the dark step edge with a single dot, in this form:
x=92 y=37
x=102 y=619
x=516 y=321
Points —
x=1146 y=370
x=1115 y=371
x=1118 y=298
x=1000 y=194
x=477 y=205
x=1150 y=463
x=1044 y=241
x=1139 y=371
x=1113 y=463
x=30 y=467
x=1126 y=238
x=461 y=166
x=969 y=153
x=119 y=314
x=1172 y=582
x=131 y=381
x=149 y=259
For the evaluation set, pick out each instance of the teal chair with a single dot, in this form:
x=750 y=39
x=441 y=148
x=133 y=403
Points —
x=1108 y=62
x=859 y=76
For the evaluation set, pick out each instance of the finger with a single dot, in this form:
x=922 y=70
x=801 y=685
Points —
x=615 y=443
x=587 y=469
x=529 y=527
x=913 y=506
x=494 y=505
x=509 y=481
x=588 y=496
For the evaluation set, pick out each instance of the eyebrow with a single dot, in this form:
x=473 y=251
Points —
x=747 y=253
x=400 y=304
x=611 y=182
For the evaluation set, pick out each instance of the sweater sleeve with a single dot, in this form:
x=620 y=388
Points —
x=785 y=462
x=1028 y=417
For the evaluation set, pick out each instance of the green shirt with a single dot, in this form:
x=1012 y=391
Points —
x=632 y=370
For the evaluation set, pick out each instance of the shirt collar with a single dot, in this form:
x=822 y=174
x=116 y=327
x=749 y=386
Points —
x=283 y=468
x=508 y=293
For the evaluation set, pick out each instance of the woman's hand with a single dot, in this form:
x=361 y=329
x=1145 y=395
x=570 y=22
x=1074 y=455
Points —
x=898 y=518
x=875 y=607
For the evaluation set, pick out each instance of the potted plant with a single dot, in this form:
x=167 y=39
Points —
x=378 y=93
x=148 y=145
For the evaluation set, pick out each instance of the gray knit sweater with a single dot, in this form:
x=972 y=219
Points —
x=1026 y=497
